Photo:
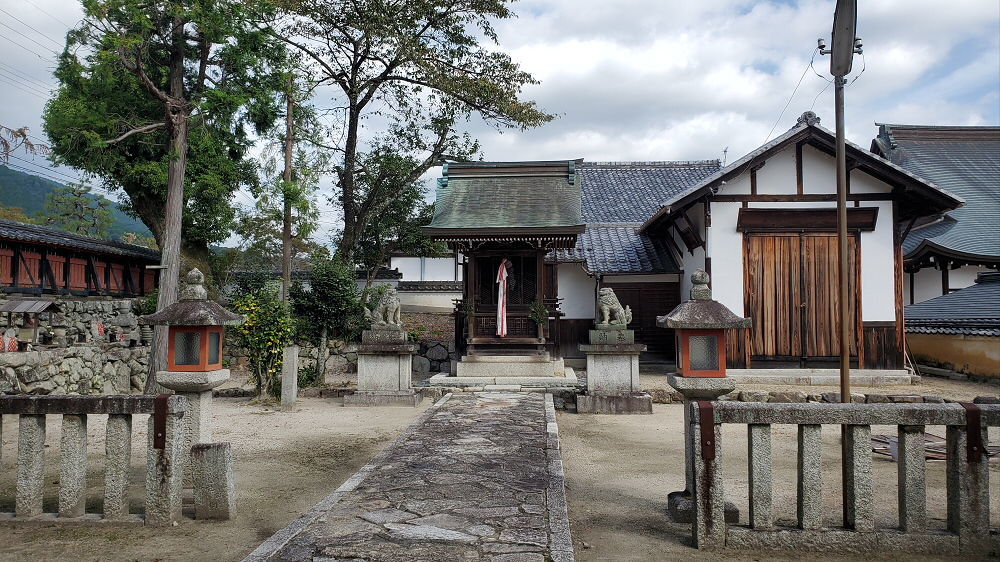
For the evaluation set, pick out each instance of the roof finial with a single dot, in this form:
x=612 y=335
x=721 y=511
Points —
x=808 y=118
x=700 y=291
x=195 y=289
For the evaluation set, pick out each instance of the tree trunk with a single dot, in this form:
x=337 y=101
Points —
x=351 y=234
x=177 y=114
x=286 y=220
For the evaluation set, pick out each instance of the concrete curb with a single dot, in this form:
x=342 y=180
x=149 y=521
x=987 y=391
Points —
x=271 y=546
x=560 y=539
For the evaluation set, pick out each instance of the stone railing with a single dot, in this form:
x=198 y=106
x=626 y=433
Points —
x=165 y=459
x=968 y=512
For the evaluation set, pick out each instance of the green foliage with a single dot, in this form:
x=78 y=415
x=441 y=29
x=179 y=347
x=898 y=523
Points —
x=264 y=335
x=538 y=313
x=228 y=93
x=330 y=301
x=146 y=304
x=73 y=209
x=309 y=376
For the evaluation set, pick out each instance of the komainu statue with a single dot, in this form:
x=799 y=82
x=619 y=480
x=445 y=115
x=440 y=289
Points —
x=384 y=315
x=612 y=315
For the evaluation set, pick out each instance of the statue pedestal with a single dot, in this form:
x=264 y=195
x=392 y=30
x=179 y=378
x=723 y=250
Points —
x=197 y=387
x=695 y=388
x=384 y=370
x=613 y=375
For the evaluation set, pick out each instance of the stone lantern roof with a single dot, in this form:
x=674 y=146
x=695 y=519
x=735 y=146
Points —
x=701 y=312
x=193 y=308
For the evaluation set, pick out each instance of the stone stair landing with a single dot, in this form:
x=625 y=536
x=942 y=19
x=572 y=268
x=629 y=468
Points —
x=539 y=365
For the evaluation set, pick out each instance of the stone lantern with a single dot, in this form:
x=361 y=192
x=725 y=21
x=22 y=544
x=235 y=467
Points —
x=700 y=324
x=194 y=354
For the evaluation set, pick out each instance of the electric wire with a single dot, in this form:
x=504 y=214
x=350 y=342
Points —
x=40 y=9
x=27 y=77
x=44 y=58
x=12 y=78
x=28 y=38
x=22 y=88
x=25 y=24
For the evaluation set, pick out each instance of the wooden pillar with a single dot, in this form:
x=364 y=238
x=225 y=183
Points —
x=945 y=268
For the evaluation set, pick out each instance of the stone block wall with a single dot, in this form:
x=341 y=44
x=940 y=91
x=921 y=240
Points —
x=78 y=369
x=78 y=359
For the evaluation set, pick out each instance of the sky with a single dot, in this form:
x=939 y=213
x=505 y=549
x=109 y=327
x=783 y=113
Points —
x=634 y=80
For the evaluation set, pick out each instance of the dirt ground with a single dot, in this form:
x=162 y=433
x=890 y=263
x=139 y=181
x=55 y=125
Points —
x=285 y=463
x=619 y=470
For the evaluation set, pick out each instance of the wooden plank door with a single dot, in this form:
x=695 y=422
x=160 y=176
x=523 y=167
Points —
x=648 y=300
x=773 y=293
x=790 y=283
x=822 y=297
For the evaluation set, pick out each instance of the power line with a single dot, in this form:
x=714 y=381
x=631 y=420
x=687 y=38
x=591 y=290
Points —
x=57 y=173
x=27 y=49
x=22 y=88
x=10 y=76
x=22 y=22
x=26 y=76
x=28 y=38
x=39 y=8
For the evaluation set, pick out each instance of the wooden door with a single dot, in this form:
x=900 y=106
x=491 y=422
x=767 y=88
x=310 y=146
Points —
x=648 y=300
x=791 y=294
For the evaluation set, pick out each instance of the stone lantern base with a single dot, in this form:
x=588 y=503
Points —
x=197 y=387
x=695 y=388
x=384 y=370
x=613 y=375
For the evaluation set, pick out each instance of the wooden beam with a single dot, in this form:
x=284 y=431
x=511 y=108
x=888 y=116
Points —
x=804 y=198
x=804 y=220
x=91 y=275
x=798 y=169
x=15 y=266
x=669 y=237
x=945 y=268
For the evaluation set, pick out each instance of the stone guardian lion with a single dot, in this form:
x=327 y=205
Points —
x=612 y=313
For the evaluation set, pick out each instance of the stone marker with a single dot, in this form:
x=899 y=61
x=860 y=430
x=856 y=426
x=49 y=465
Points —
x=289 y=377
x=214 y=484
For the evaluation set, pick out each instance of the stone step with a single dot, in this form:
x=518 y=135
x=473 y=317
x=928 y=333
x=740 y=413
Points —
x=510 y=368
x=818 y=377
x=502 y=358
x=567 y=381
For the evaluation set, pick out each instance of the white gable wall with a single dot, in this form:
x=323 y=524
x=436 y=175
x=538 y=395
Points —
x=577 y=289
x=819 y=176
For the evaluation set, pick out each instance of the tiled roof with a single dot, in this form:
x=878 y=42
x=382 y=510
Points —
x=487 y=195
x=974 y=310
x=963 y=160
x=612 y=248
x=49 y=236
x=634 y=191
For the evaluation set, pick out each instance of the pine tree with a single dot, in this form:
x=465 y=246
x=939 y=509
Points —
x=75 y=209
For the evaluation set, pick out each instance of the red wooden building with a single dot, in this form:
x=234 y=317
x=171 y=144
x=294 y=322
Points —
x=43 y=260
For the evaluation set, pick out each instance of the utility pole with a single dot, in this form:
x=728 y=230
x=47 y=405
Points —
x=843 y=45
x=286 y=219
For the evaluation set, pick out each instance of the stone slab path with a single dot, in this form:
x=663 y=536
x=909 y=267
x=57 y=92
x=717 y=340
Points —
x=477 y=477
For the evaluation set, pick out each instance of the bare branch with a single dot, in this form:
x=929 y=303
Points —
x=143 y=129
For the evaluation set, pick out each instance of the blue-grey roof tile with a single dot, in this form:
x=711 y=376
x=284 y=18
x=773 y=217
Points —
x=618 y=248
x=974 y=310
x=634 y=191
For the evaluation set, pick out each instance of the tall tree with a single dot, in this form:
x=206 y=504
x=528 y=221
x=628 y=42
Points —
x=74 y=209
x=192 y=62
x=414 y=68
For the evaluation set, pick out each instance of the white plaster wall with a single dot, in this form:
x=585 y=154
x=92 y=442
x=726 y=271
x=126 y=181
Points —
x=428 y=301
x=964 y=276
x=772 y=179
x=819 y=171
x=727 y=257
x=927 y=282
x=878 y=286
x=426 y=269
x=577 y=289
x=409 y=267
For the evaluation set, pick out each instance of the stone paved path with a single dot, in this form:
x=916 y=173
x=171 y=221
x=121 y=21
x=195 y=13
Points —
x=478 y=477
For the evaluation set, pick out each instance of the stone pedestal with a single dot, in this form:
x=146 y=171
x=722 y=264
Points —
x=197 y=387
x=384 y=370
x=613 y=375
x=695 y=388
